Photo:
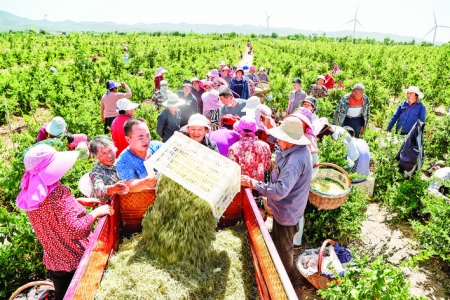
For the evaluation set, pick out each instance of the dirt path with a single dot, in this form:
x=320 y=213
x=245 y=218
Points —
x=381 y=239
x=247 y=59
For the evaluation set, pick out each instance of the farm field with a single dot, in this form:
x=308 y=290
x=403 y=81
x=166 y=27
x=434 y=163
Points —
x=32 y=94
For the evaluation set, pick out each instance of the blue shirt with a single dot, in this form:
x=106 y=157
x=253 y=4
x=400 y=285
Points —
x=406 y=116
x=129 y=166
x=288 y=191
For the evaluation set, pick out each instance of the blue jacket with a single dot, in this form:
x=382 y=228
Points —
x=406 y=116
x=245 y=91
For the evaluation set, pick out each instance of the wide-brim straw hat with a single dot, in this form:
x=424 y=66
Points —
x=414 y=89
x=173 y=100
x=291 y=131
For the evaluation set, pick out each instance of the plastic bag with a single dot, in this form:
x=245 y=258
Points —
x=344 y=254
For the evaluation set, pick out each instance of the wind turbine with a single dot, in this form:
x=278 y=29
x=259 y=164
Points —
x=435 y=28
x=354 y=22
x=46 y=22
x=267 y=21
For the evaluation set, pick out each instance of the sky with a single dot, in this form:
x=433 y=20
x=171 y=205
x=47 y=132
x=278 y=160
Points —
x=402 y=17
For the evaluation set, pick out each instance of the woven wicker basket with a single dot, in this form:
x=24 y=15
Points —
x=336 y=173
x=317 y=280
x=133 y=207
x=29 y=285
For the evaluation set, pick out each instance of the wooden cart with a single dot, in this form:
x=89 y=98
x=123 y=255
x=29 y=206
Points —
x=271 y=277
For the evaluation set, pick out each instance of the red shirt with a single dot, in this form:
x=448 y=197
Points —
x=78 y=138
x=63 y=228
x=157 y=81
x=118 y=134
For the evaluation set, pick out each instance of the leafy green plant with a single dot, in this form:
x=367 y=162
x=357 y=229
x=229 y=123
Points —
x=20 y=252
x=437 y=138
x=369 y=280
x=433 y=234
x=383 y=149
x=405 y=196
x=338 y=224
x=332 y=151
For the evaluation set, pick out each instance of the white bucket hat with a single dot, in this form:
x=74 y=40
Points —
x=251 y=103
x=414 y=89
x=198 y=120
x=56 y=126
x=125 y=104
x=291 y=131
x=173 y=100
x=321 y=77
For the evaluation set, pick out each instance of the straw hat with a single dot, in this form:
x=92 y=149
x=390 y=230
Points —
x=414 y=89
x=291 y=131
x=173 y=100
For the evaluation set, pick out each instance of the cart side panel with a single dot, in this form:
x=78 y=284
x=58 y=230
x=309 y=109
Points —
x=103 y=242
x=271 y=276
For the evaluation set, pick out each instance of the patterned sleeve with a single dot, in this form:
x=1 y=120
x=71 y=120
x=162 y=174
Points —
x=73 y=214
x=99 y=189
x=232 y=156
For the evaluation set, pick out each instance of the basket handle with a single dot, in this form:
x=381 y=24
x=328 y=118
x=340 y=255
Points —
x=338 y=168
x=29 y=284
x=321 y=252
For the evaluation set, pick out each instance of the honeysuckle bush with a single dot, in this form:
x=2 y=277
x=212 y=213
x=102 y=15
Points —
x=433 y=232
x=341 y=224
x=369 y=279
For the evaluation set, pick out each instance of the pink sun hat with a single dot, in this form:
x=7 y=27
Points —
x=44 y=166
x=246 y=125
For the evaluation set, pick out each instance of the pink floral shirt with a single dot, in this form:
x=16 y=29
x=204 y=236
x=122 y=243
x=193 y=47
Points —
x=63 y=228
x=252 y=155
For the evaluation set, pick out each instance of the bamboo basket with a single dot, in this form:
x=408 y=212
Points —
x=327 y=202
x=133 y=207
x=317 y=280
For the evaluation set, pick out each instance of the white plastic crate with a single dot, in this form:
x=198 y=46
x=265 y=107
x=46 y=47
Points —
x=206 y=173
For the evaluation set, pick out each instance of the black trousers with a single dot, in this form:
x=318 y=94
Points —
x=107 y=124
x=282 y=238
x=61 y=281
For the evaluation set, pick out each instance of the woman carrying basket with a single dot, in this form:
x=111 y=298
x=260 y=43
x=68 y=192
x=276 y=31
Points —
x=288 y=189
